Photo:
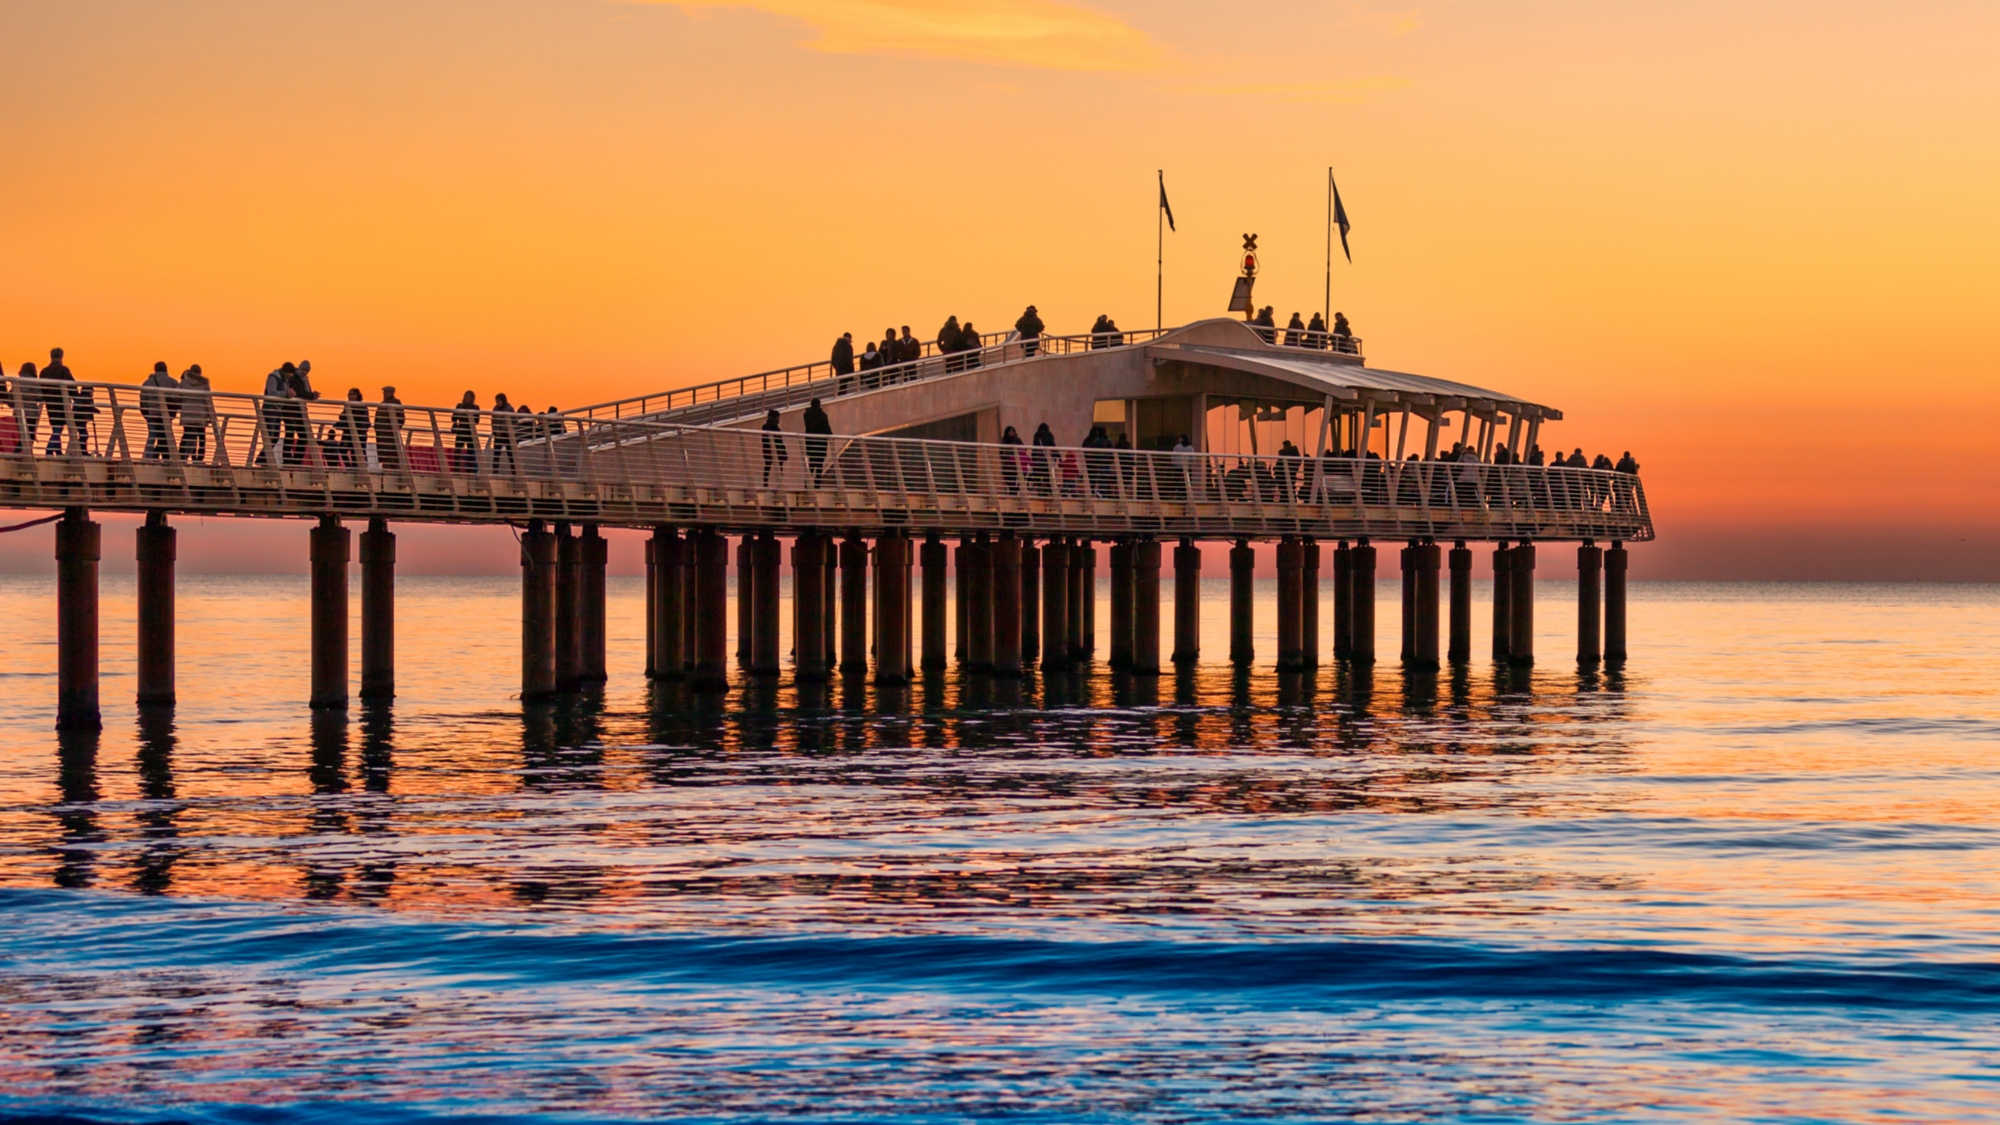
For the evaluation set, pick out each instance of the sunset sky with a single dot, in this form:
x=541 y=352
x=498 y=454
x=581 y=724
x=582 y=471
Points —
x=1758 y=244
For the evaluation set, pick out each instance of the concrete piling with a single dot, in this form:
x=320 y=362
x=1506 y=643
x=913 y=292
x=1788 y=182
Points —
x=961 y=600
x=830 y=599
x=1146 y=608
x=1589 y=610
x=1503 y=600
x=1309 y=603
x=1614 y=604
x=1343 y=601
x=1521 y=577
x=1089 y=602
x=378 y=611
x=764 y=656
x=1461 y=602
x=979 y=604
x=1289 y=565
x=596 y=561
x=569 y=603
x=538 y=612
x=892 y=610
x=809 y=662
x=710 y=602
x=329 y=557
x=1082 y=602
x=156 y=551
x=1361 y=581
x=1187 y=603
x=1005 y=559
x=933 y=559
x=1121 y=606
x=1055 y=604
x=79 y=547
x=652 y=608
x=1425 y=652
x=1031 y=603
x=854 y=605
x=1242 y=602
x=670 y=655
x=746 y=598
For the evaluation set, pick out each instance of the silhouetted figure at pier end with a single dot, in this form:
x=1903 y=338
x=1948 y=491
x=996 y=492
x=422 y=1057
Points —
x=56 y=401
x=909 y=349
x=352 y=434
x=968 y=339
x=843 y=357
x=1294 y=332
x=1316 y=332
x=816 y=424
x=1030 y=329
x=28 y=414
x=197 y=414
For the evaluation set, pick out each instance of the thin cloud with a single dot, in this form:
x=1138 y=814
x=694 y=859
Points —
x=1038 y=33
x=1348 y=92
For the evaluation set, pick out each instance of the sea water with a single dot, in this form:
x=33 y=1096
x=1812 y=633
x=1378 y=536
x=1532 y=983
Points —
x=1752 y=876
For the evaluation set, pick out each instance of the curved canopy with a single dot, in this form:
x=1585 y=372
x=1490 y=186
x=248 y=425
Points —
x=1325 y=374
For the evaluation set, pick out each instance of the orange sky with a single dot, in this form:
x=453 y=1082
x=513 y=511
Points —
x=1756 y=243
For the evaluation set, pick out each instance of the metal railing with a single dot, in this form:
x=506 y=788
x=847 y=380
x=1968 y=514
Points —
x=750 y=395
x=129 y=448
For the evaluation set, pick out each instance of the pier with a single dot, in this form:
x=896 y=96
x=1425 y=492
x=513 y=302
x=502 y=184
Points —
x=914 y=473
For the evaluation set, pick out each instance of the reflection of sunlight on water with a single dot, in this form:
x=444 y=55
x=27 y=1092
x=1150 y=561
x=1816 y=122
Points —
x=1783 y=771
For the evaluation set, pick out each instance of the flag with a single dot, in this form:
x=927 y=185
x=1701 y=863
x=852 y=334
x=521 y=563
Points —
x=1339 y=214
x=1165 y=206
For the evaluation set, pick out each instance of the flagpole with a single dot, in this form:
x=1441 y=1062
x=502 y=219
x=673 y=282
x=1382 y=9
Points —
x=1326 y=306
x=1160 y=263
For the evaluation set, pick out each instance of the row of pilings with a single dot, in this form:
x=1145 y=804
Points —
x=1018 y=602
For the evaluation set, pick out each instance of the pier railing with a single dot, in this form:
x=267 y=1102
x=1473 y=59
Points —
x=129 y=448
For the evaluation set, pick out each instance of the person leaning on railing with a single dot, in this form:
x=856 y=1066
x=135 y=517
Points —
x=389 y=432
x=1030 y=327
x=27 y=399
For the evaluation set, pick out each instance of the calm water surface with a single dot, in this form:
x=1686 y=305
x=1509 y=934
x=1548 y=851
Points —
x=1753 y=878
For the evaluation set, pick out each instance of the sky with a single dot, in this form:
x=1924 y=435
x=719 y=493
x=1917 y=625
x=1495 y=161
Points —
x=1754 y=243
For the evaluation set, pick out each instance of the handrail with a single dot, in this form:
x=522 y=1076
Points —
x=132 y=448
x=823 y=382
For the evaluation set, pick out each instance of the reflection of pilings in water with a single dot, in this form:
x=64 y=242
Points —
x=1420 y=688
x=153 y=869
x=76 y=782
x=328 y=775
x=378 y=746
x=328 y=772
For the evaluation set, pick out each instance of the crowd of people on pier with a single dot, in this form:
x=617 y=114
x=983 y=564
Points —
x=181 y=420
x=884 y=362
x=1299 y=333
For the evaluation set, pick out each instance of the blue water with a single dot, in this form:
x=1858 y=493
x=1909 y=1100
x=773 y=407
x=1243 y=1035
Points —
x=1751 y=878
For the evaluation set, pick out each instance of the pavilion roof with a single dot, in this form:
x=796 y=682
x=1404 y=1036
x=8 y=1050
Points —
x=1324 y=373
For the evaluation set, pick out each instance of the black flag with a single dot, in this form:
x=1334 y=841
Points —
x=1339 y=214
x=1165 y=206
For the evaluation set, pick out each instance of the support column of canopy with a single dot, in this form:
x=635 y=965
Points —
x=1121 y=606
x=1031 y=603
x=710 y=602
x=765 y=659
x=1614 y=603
x=854 y=605
x=1589 y=611
x=329 y=548
x=1289 y=591
x=809 y=664
x=79 y=547
x=378 y=611
x=1461 y=603
x=156 y=552
x=1424 y=653
x=1242 y=602
x=1521 y=572
x=569 y=603
x=1361 y=580
x=670 y=657
x=892 y=610
x=934 y=601
x=1146 y=608
x=538 y=612
x=596 y=560
x=1187 y=603
x=1309 y=603
x=1006 y=569
x=979 y=604
x=1503 y=601
x=1055 y=604
x=1343 y=601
